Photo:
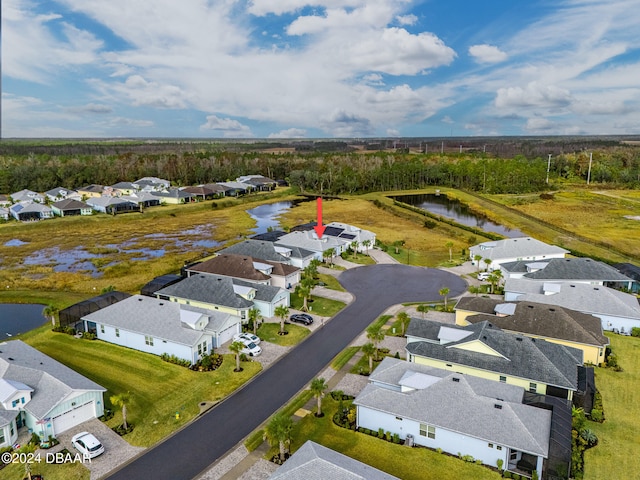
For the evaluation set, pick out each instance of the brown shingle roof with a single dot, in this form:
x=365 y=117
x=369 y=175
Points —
x=230 y=265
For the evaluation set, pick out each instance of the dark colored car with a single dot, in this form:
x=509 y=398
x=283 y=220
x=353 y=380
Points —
x=301 y=318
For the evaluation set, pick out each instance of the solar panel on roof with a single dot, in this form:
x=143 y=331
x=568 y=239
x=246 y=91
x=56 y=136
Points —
x=333 y=231
x=347 y=236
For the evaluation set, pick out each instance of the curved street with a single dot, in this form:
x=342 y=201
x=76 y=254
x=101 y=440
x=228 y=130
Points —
x=198 y=445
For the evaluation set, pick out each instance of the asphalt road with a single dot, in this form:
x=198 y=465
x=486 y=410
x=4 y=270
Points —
x=193 y=449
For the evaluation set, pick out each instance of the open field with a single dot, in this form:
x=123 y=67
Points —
x=157 y=387
x=615 y=456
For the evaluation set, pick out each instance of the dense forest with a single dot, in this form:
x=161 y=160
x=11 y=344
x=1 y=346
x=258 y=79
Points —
x=42 y=167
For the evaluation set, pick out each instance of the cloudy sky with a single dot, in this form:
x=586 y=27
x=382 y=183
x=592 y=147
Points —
x=324 y=68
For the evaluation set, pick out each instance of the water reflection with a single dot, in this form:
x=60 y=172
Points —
x=19 y=318
x=455 y=210
x=266 y=215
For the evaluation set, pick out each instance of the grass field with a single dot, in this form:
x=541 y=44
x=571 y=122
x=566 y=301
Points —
x=157 y=387
x=318 y=305
x=49 y=471
x=616 y=455
x=269 y=332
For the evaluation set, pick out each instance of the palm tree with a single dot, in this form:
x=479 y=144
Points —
x=366 y=244
x=369 y=350
x=404 y=319
x=449 y=245
x=487 y=261
x=121 y=400
x=474 y=289
x=422 y=309
x=254 y=317
x=376 y=335
x=477 y=259
x=282 y=311
x=278 y=432
x=318 y=386
x=51 y=312
x=354 y=248
x=444 y=291
x=329 y=253
x=494 y=279
x=235 y=348
x=303 y=290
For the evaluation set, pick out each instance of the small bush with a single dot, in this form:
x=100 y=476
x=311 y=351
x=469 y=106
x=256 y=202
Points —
x=175 y=360
x=596 y=415
x=108 y=415
x=439 y=450
x=120 y=430
x=396 y=438
x=507 y=475
x=89 y=335
x=380 y=433
x=635 y=331
x=430 y=224
x=468 y=458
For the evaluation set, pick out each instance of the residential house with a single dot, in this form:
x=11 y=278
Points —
x=173 y=196
x=42 y=395
x=5 y=201
x=121 y=188
x=258 y=182
x=142 y=199
x=459 y=414
x=91 y=191
x=217 y=189
x=273 y=252
x=485 y=351
x=152 y=184
x=201 y=192
x=226 y=294
x=4 y=213
x=244 y=267
x=512 y=250
x=61 y=193
x=69 y=207
x=580 y=270
x=28 y=211
x=632 y=271
x=235 y=189
x=26 y=196
x=112 y=205
x=313 y=461
x=538 y=320
x=618 y=311
x=347 y=234
x=308 y=240
x=157 y=326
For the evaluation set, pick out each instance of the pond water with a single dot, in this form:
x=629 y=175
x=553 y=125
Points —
x=455 y=210
x=266 y=215
x=18 y=318
x=14 y=243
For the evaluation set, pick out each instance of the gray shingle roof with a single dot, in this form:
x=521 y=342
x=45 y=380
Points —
x=578 y=269
x=257 y=249
x=70 y=204
x=514 y=248
x=308 y=240
x=598 y=300
x=533 y=318
x=440 y=404
x=51 y=381
x=315 y=462
x=212 y=289
x=519 y=356
x=154 y=317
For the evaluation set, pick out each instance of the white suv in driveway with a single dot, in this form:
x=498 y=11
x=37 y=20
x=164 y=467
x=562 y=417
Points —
x=87 y=445
x=250 y=348
x=483 y=276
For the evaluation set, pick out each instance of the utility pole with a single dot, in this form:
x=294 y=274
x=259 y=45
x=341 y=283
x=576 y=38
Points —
x=548 y=167
x=589 y=172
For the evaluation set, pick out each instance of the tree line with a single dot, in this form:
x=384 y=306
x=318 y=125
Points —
x=320 y=172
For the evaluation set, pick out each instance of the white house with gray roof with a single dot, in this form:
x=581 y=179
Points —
x=308 y=240
x=157 y=326
x=42 y=395
x=618 y=311
x=461 y=414
x=273 y=252
x=514 y=249
x=313 y=461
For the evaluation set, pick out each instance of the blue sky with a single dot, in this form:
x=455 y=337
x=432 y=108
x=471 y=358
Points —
x=328 y=68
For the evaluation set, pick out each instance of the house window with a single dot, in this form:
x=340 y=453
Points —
x=22 y=400
x=428 y=431
x=101 y=328
x=202 y=348
x=533 y=388
x=491 y=445
x=503 y=379
x=499 y=447
x=2 y=439
x=15 y=403
x=399 y=418
x=117 y=332
x=148 y=341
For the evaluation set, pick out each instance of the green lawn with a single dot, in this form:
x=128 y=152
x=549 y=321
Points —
x=158 y=387
x=343 y=357
x=616 y=455
x=360 y=259
x=403 y=462
x=330 y=282
x=269 y=333
x=49 y=471
x=318 y=305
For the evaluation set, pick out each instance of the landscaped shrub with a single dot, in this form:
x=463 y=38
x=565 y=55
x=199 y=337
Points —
x=89 y=335
x=439 y=450
x=381 y=433
x=596 y=415
x=507 y=475
x=396 y=438
x=208 y=363
x=120 y=430
x=175 y=360
x=108 y=415
x=468 y=458
x=635 y=331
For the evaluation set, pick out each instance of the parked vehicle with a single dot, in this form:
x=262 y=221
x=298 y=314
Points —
x=250 y=348
x=301 y=318
x=483 y=276
x=87 y=444
x=246 y=336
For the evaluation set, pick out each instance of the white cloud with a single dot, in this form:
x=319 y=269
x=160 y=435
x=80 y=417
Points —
x=227 y=126
x=92 y=108
x=407 y=19
x=534 y=94
x=130 y=122
x=393 y=132
x=346 y=125
x=487 y=54
x=141 y=92
x=538 y=125
x=290 y=133
x=447 y=119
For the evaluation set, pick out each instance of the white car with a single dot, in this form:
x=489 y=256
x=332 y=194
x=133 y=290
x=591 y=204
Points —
x=238 y=337
x=482 y=276
x=87 y=444
x=250 y=348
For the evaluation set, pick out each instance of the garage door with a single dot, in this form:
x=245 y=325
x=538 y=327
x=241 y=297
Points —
x=78 y=414
x=227 y=334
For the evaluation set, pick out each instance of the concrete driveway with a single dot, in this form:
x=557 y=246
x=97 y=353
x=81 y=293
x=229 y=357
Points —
x=192 y=450
x=116 y=450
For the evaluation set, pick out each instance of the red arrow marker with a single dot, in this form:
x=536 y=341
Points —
x=319 y=228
